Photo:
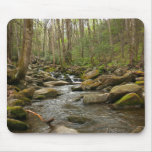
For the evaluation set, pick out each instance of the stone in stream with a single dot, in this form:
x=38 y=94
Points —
x=76 y=88
x=95 y=98
x=16 y=112
x=45 y=93
x=18 y=102
x=118 y=91
x=55 y=83
x=78 y=119
x=131 y=100
x=27 y=92
x=107 y=80
x=16 y=125
x=64 y=130
x=91 y=75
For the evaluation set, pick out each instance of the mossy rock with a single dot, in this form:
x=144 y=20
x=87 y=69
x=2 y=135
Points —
x=16 y=125
x=16 y=112
x=91 y=75
x=40 y=97
x=78 y=119
x=140 y=82
x=18 y=102
x=131 y=99
x=27 y=92
x=139 y=73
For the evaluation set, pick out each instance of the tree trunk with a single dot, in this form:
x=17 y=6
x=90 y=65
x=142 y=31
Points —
x=26 y=49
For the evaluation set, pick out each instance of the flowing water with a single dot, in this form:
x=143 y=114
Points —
x=100 y=118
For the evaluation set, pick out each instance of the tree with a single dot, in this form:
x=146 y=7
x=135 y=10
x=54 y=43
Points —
x=26 y=49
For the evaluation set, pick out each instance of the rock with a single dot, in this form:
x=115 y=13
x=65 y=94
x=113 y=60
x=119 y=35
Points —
x=64 y=130
x=91 y=75
x=76 y=88
x=128 y=101
x=139 y=73
x=16 y=125
x=45 y=93
x=107 y=80
x=18 y=102
x=95 y=98
x=16 y=112
x=55 y=83
x=49 y=78
x=118 y=91
x=140 y=79
x=78 y=119
x=140 y=82
x=27 y=92
x=77 y=98
x=138 y=129
x=120 y=71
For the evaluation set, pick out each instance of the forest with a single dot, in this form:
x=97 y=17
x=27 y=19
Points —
x=75 y=75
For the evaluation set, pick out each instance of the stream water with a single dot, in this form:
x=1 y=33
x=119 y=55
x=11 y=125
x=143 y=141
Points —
x=101 y=118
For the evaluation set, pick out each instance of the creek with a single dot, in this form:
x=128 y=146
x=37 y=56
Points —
x=101 y=118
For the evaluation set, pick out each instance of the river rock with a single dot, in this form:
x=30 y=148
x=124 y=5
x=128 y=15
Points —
x=16 y=125
x=76 y=88
x=64 y=130
x=55 y=83
x=107 y=80
x=45 y=93
x=95 y=98
x=16 y=112
x=78 y=119
x=118 y=91
x=27 y=92
x=128 y=101
x=91 y=75
x=18 y=102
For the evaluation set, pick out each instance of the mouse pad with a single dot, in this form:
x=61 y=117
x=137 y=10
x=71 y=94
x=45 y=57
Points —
x=71 y=76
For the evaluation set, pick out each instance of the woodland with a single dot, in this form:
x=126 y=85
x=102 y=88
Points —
x=75 y=75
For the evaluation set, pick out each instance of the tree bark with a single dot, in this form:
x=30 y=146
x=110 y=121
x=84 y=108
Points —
x=26 y=49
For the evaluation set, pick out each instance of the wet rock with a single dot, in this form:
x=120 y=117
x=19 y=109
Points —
x=45 y=93
x=107 y=80
x=78 y=119
x=138 y=129
x=16 y=112
x=95 y=98
x=128 y=101
x=16 y=125
x=91 y=75
x=55 y=83
x=64 y=130
x=76 y=88
x=27 y=92
x=118 y=91
x=18 y=102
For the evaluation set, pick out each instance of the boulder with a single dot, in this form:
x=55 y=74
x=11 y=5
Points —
x=78 y=119
x=91 y=75
x=16 y=112
x=118 y=91
x=76 y=88
x=139 y=73
x=128 y=101
x=64 y=130
x=107 y=80
x=16 y=125
x=18 y=102
x=45 y=93
x=27 y=92
x=55 y=83
x=95 y=98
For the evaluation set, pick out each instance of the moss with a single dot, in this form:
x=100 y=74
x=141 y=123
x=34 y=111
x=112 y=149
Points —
x=16 y=125
x=41 y=97
x=16 y=112
x=130 y=99
x=27 y=92
x=140 y=82
x=19 y=102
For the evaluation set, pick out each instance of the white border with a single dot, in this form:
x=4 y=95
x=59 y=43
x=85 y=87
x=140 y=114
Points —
x=10 y=9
